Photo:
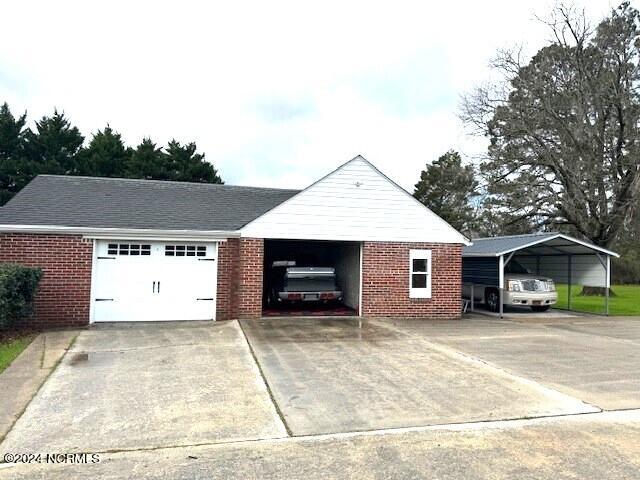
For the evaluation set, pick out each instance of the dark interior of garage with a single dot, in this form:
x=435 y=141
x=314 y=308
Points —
x=298 y=280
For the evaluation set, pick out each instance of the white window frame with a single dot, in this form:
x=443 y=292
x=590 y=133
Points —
x=420 y=255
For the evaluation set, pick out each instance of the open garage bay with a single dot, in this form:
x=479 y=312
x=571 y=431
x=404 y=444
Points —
x=286 y=295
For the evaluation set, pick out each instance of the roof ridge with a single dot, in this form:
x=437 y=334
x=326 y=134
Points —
x=520 y=235
x=174 y=182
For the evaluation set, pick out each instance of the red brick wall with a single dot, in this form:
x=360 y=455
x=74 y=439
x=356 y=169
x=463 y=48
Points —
x=63 y=296
x=228 y=267
x=250 y=278
x=385 y=281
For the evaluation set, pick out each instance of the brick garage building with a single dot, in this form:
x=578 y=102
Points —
x=135 y=250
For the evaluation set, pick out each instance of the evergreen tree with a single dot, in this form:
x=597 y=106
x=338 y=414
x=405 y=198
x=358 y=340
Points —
x=185 y=164
x=106 y=155
x=54 y=145
x=447 y=187
x=14 y=171
x=147 y=161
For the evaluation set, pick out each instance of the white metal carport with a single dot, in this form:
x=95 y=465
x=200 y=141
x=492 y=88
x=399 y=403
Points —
x=563 y=258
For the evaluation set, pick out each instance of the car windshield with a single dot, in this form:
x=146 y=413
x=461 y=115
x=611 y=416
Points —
x=515 y=267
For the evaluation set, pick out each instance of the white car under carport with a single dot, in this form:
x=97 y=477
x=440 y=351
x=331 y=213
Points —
x=549 y=256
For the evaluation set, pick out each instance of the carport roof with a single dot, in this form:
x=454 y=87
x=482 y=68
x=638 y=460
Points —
x=549 y=243
x=90 y=202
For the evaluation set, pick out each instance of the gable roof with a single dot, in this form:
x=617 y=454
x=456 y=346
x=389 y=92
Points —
x=90 y=202
x=354 y=202
x=536 y=243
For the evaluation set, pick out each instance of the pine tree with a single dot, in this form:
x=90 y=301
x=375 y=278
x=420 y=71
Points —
x=13 y=163
x=106 y=155
x=54 y=145
x=447 y=187
x=185 y=164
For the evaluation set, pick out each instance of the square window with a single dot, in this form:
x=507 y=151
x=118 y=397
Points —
x=419 y=264
x=418 y=280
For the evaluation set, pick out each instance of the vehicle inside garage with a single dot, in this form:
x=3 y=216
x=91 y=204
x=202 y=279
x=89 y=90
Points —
x=311 y=278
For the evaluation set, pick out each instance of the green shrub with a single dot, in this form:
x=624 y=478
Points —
x=18 y=285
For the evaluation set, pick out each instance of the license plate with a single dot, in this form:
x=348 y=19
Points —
x=311 y=296
x=536 y=302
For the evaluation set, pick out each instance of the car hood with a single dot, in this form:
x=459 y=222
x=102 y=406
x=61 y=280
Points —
x=525 y=276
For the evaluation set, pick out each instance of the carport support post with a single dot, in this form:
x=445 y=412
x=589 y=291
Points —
x=501 y=283
x=569 y=282
x=608 y=286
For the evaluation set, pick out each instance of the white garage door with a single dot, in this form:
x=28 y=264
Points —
x=154 y=281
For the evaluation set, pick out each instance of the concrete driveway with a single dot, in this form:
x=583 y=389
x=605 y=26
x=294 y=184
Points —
x=591 y=358
x=149 y=386
x=318 y=398
x=331 y=376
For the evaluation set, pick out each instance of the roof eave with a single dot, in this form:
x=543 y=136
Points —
x=122 y=233
x=544 y=240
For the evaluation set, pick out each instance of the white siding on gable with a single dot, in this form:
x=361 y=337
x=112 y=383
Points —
x=355 y=202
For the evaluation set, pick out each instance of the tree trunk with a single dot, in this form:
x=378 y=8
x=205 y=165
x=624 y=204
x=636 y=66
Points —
x=596 y=292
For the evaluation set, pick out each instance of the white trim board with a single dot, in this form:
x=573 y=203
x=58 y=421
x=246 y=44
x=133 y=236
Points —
x=124 y=233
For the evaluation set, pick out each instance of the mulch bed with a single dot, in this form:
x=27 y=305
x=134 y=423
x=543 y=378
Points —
x=12 y=333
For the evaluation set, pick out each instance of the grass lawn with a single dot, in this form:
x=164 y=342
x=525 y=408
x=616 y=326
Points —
x=626 y=301
x=10 y=348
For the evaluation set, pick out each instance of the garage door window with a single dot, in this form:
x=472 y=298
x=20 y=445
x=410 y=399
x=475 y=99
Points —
x=420 y=273
x=185 y=251
x=128 y=249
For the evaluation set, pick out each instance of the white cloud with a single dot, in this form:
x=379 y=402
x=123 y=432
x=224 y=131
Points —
x=275 y=93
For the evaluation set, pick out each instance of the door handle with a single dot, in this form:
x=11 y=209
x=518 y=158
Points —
x=154 y=287
x=158 y=286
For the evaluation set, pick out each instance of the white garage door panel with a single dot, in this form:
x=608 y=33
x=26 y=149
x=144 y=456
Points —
x=172 y=281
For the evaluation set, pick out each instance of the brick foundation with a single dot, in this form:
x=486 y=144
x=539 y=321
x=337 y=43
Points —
x=385 y=281
x=63 y=296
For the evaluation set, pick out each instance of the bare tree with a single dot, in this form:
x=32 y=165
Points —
x=564 y=127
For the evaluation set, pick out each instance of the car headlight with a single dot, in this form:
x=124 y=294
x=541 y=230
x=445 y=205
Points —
x=515 y=286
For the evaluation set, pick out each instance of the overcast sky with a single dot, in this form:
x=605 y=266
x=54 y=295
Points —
x=274 y=93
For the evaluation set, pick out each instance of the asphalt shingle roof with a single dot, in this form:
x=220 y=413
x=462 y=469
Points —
x=138 y=204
